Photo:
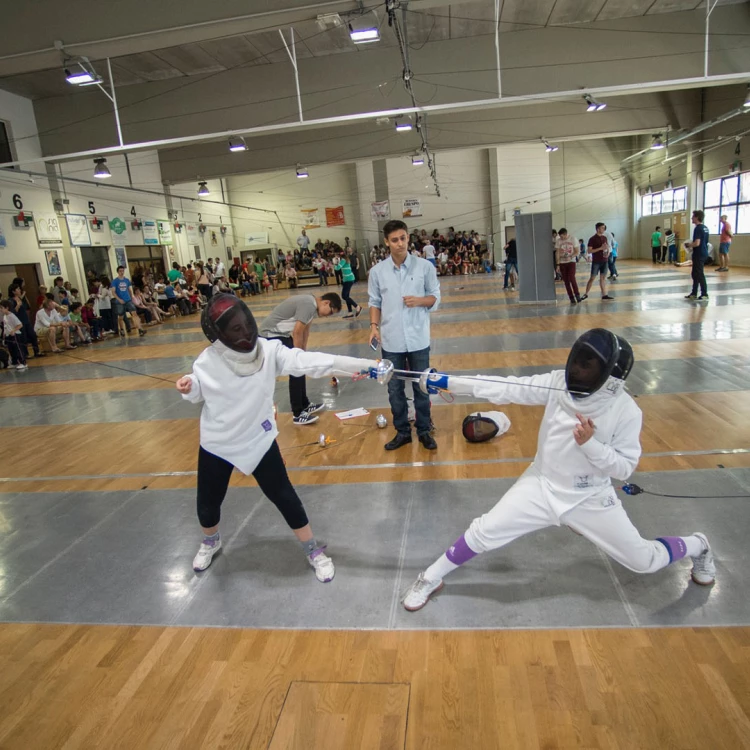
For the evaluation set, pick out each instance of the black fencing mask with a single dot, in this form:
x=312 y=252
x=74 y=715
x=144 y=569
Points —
x=227 y=319
x=595 y=356
x=480 y=426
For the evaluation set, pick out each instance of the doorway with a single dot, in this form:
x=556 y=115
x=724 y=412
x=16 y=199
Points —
x=95 y=263
x=144 y=259
x=29 y=272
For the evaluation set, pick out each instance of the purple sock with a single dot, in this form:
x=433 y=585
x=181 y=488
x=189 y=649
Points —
x=675 y=545
x=460 y=552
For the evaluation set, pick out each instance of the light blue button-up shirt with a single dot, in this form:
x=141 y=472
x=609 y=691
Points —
x=402 y=328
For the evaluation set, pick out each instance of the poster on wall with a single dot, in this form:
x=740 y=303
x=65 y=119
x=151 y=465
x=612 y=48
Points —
x=150 y=232
x=48 y=229
x=3 y=243
x=78 y=229
x=53 y=262
x=193 y=236
x=123 y=233
x=380 y=211
x=165 y=232
x=256 y=238
x=412 y=207
x=122 y=259
x=310 y=218
x=335 y=217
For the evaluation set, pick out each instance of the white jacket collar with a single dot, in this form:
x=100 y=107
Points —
x=597 y=403
x=241 y=363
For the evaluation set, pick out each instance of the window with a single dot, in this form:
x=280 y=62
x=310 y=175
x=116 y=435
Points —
x=731 y=196
x=6 y=153
x=665 y=202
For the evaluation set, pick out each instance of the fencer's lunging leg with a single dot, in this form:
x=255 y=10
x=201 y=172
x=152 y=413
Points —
x=521 y=511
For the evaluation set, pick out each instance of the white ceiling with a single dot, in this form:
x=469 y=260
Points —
x=425 y=23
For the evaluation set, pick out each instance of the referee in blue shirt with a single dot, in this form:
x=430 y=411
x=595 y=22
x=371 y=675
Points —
x=700 y=253
x=403 y=290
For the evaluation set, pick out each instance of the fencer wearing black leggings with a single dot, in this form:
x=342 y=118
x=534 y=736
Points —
x=270 y=474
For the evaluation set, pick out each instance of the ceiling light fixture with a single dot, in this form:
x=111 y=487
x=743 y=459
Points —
x=302 y=173
x=658 y=142
x=364 y=28
x=237 y=144
x=746 y=103
x=402 y=126
x=417 y=160
x=101 y=171
x=203 y=190
x=80 y=72
x=549 y=148
x=593 y=105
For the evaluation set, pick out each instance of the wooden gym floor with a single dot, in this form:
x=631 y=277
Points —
x=109 y=639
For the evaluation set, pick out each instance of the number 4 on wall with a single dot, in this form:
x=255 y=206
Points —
x=132 y=211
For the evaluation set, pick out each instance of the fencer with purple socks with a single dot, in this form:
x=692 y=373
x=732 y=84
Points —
x=675 y=545
x=460 y=552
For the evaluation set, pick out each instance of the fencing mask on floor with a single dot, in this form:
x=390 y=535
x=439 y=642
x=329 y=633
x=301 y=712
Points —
x=227 y=319
x=596 y=356
x=481 y=426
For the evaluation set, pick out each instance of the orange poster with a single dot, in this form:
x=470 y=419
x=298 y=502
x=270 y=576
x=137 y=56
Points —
x=335 y=217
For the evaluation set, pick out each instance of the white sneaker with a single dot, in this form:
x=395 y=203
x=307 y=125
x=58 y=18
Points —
x=305 y=418
x=22 y=367
x=419 y=593
x=704 y=570
x=205 y=554
x=322 y=565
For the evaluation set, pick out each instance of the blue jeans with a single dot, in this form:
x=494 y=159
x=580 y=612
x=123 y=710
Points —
x=611 y=260
x=508 y=265
x=417 y=362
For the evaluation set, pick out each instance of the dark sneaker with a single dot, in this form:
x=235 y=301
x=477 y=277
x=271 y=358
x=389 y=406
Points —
x=428 y=441
x=703 y=297
x=305 y=418
x=583 y=297
x=606 y=296
x=398 y=441
x=314 y=408
x=691 y=296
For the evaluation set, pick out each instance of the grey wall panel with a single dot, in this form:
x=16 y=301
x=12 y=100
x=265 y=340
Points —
x=536 y=267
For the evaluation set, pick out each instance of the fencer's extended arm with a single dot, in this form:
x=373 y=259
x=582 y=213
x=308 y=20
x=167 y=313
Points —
x=619 y=458
x=318 y=364
x=510 y=390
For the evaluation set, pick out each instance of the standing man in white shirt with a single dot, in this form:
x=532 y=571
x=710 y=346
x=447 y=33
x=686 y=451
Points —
x=403 y=290
x=220 y=271
x=303 y=241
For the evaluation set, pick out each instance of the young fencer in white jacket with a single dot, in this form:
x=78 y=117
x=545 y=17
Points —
x=590 y=432
x=235 y=379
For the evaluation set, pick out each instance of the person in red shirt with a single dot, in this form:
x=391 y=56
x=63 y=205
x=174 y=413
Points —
x=599 y=249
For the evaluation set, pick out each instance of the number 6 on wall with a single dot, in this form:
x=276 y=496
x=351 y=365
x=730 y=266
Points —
x=17 y=202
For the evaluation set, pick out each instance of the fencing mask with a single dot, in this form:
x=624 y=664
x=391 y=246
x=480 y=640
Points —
x=481 y=426
x=596 y=356
x=228 y=320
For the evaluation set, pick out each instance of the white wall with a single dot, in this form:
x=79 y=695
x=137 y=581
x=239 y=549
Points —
x=21 y=244
x=587 y=187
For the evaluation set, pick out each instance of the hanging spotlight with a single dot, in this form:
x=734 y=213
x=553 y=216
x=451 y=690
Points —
x=80 y=72
x=237 y=144
x=649 y=189
x=101 y=171
x=593 y=105
x=302 y=172
x=203 y=190
x=549 y=148
x=658 y=142
x=669 y=184
x=417 y=160
x=402 y=126
x=747 y=99
x=364 y=28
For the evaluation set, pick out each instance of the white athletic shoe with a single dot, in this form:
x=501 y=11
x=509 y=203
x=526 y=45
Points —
x=322 y=565
x=22 y=367
x=419 y=593
x=704 y=570
x=205 y=554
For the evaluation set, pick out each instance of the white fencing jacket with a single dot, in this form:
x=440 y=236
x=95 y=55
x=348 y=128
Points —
x=237 y=422
x=571 y=473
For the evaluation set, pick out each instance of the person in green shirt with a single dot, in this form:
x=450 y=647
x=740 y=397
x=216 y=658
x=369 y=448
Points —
x=174 y=274
x=79 y=328
x=260 y=269
x=348 y=279
x=656 y=245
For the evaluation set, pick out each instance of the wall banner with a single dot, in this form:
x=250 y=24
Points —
x=380 y=211
x=310 y=218
x=256 y=238
x=78 y=229
x=335 y=217
x=48 y=230
x=193 y=236
x=150 y=232
x=165 y=232
x=412 y=207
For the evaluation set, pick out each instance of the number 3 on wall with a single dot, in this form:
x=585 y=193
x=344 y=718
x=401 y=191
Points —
x=17 y=202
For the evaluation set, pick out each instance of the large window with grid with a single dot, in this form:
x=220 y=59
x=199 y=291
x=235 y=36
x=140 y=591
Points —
x=731 y=196
x=664 y=202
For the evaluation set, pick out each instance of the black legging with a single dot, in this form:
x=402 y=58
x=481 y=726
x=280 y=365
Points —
x=345 y=289
x=271 y=476
x=655 y=254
